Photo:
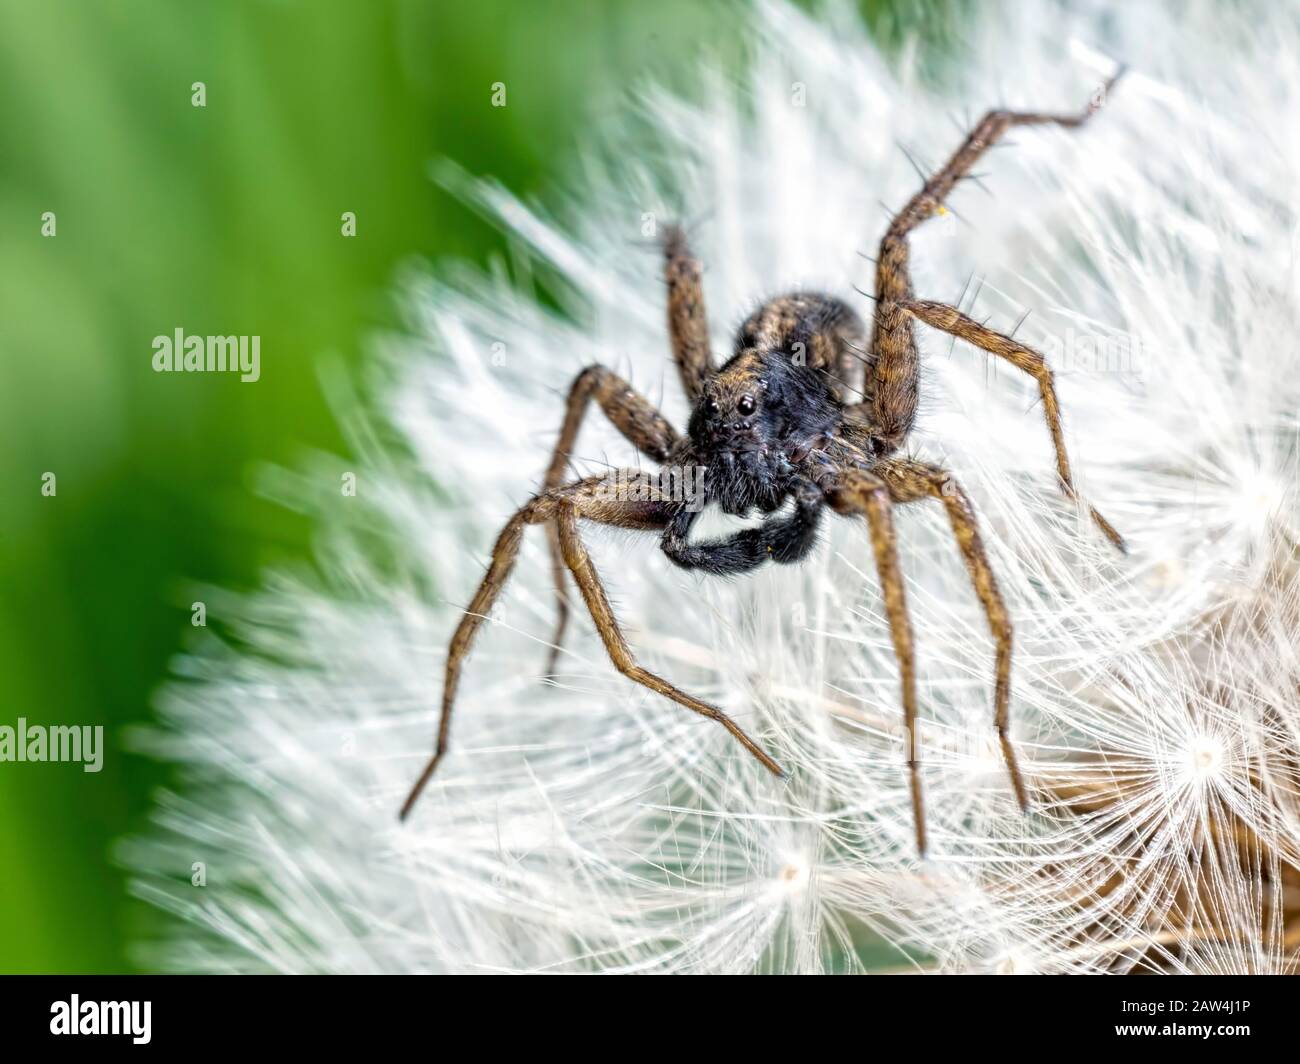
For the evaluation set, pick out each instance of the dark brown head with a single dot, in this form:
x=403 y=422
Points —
x=755 y=412
x=729 y=415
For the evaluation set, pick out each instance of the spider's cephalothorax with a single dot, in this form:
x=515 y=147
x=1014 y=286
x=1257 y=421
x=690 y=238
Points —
x=767 y=408
x=807 y=414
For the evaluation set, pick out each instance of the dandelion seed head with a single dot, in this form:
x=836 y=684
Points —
x=591 y=825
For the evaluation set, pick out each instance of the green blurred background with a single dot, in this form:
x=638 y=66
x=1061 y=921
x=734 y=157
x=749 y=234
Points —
x=222 y=219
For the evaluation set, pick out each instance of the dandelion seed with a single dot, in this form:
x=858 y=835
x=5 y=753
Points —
x=1205 y=758
x=793 y=877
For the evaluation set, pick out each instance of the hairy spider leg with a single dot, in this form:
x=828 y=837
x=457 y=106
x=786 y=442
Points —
x=954 y=322
x=688 y=324
x=909 y=481
x=892 y=343
x=639 y=422
x=628 y=499
x=858 y=493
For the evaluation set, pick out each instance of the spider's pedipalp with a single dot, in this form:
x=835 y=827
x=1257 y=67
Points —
x=782 y=538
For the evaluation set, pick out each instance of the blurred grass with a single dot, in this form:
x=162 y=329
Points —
x=223 y=219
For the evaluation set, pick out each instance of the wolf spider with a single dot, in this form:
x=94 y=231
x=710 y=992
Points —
x=775 y=424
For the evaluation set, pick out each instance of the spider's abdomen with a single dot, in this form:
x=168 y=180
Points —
x=818 y=330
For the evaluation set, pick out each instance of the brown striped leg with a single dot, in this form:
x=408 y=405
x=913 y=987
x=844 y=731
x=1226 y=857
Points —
x=637 y=420
x=625 y=499
x=908 y=481
x=952 y=321
x=859 y=493
x=688 y=325
x=593 y=592
x=892 y=344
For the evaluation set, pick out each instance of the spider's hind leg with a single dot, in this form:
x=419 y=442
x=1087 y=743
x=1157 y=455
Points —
x=929 y=200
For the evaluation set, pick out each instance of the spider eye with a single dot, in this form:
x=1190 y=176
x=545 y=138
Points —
x=746 y=405
x=711 y=406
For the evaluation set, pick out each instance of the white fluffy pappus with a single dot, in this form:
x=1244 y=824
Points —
x=593 y=825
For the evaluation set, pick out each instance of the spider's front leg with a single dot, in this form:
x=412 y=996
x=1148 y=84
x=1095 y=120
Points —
x=626 y=498
x=859 y=493
x=643 y=426
x=893 y=347
x=688 y=322
x=954 y=322
x=910 y=481
x=902 y=480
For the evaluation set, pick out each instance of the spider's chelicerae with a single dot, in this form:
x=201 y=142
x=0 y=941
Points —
x=777 y=429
